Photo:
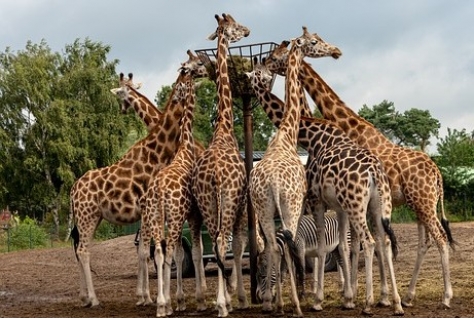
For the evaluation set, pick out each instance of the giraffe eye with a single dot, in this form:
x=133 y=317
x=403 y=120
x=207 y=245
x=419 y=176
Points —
x=313 y=42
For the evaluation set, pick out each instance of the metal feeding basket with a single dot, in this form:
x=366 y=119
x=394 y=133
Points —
x=239 y=61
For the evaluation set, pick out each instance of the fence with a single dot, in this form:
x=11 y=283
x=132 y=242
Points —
x=32 y=236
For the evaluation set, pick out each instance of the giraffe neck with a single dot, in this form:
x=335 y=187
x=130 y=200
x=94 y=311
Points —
x=311 y=130
x=146 y=110
x=275 y=108
x=225 y=119
x=291 y=118
x=186 y=148
x=335 y=110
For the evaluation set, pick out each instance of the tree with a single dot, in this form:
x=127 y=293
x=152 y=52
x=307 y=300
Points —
x=60 y=120
x=413 y=128
x=205 y=115
x=456 y=162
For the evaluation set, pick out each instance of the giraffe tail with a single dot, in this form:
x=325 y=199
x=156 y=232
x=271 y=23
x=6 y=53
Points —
x=299 y=268
x=391 y=234
x=75 y=240
x=444 y=219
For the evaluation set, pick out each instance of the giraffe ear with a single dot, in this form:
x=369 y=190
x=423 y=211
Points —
x=212 y=36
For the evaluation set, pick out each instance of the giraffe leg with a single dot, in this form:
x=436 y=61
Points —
x=294 y=293
x=87 y=295
x=380 y=247
x=348 y=295
x=276 y=264
x=179 y=257
x=354 y=260
x=222 y=297
x=423 y=247
x=170 y=249
x=160 y=299
x=143 y=290
x=448 y=290
x=267 y=294
x=238 y=244
x=387 y=255
x=201 y=287
x=369 y=245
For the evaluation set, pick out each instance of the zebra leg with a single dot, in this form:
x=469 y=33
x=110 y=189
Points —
x=318 y=215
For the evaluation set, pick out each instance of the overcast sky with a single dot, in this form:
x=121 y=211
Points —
x=417 y=54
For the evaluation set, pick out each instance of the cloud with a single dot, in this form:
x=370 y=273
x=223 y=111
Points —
x=414 y=53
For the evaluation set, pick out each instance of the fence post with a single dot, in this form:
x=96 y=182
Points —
x=8 y=239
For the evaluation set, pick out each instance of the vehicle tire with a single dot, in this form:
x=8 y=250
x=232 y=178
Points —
x=331 y=262
x=188 y=265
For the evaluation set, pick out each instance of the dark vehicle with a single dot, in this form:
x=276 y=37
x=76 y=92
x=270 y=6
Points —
x=208 y=253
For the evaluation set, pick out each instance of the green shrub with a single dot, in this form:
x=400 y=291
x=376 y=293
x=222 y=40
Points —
x=403 y=214
x=107 y=230
x=28 y=235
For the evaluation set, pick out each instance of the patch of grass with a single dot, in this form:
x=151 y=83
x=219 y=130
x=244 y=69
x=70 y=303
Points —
x=403 y=214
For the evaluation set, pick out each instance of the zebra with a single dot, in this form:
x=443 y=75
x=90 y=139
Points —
x=307 y=244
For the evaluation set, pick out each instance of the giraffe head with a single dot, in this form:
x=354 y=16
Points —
x=278 y=58
x=229 y=29
x=315 y=47
x=180 y=91
x=195 y=65
x=122 y=90
x=260 y=77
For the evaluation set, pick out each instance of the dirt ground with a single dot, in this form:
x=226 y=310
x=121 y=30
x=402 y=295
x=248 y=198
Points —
x=45 y=283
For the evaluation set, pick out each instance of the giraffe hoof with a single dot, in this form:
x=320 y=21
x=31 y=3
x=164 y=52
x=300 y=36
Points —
x=383 y=303
x=317 y=308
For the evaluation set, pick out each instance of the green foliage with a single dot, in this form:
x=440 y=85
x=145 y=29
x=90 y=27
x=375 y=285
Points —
x=205 y=115
x=413 y=128
x=28 y=235
x=456 y=162
x=403 y=214
x=58 y=120
x=107 y=230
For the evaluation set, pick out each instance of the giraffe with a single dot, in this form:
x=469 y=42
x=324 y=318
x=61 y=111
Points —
x=415 y=180
x=330 y=148
x=219 y=176
x=169 y=200
x=142 y=105
x=144 y=108
x=115 y=192
x=277 y=184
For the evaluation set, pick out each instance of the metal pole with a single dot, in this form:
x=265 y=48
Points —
x=248 y=142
